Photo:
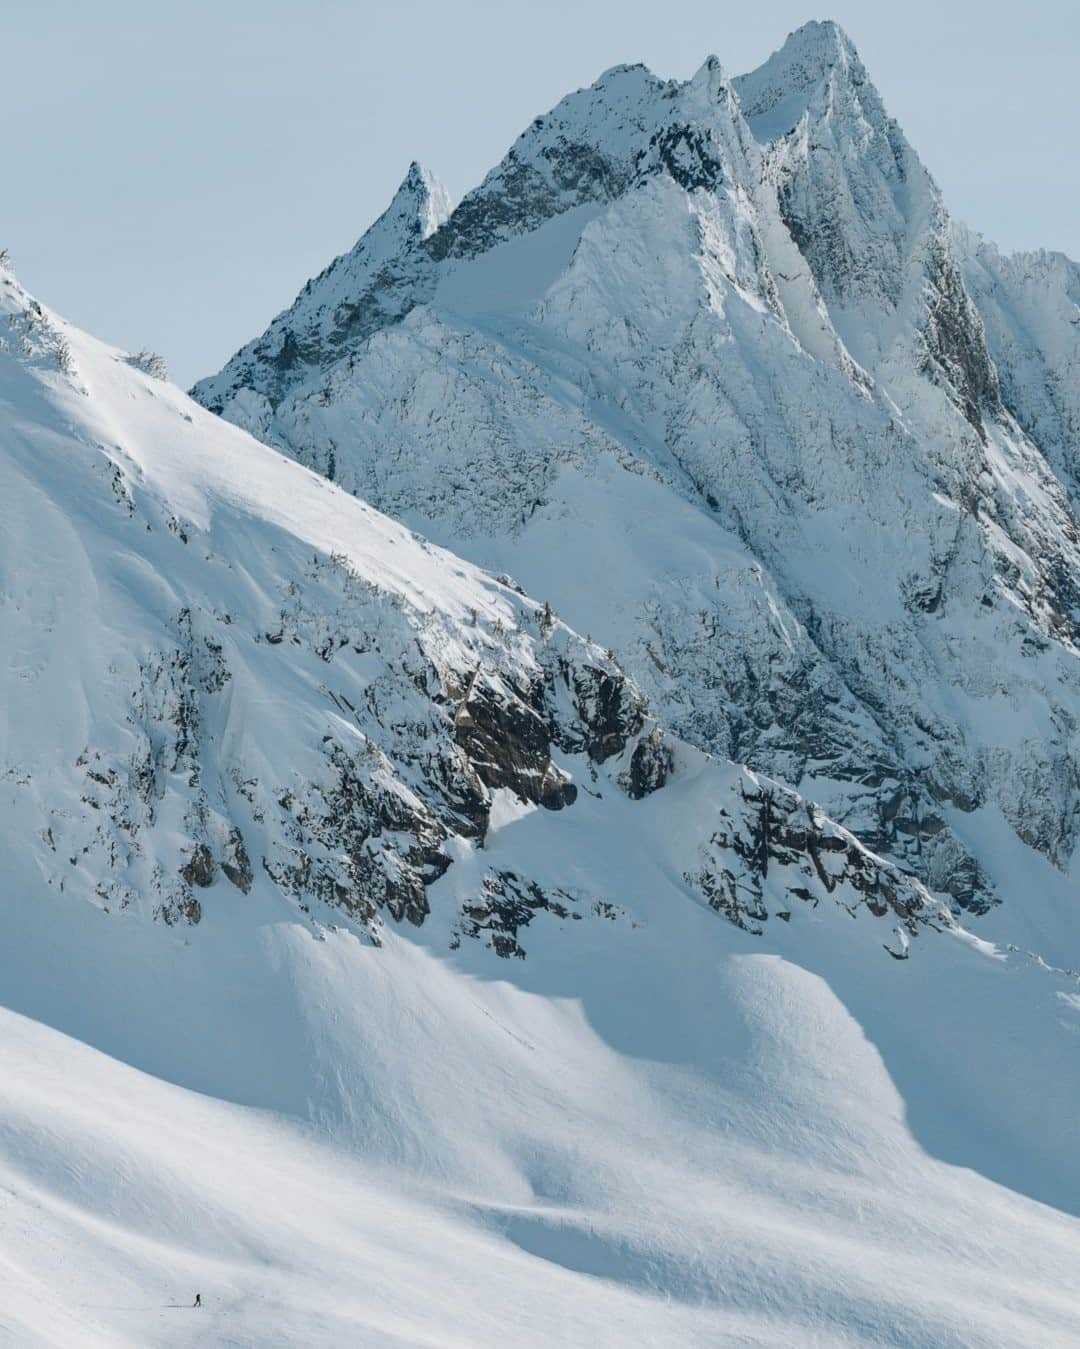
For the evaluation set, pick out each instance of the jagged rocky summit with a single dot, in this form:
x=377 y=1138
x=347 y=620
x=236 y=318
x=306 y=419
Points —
x=708 y=366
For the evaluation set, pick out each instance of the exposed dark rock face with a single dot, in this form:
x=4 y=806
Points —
x=236 y=864
x=508 y=743
x=357 y=841
x=609 y=711
x=527 y=196
x=769 y=852
x=507 y=904
x=183 y=909
x=687 y=155
x=199 y=868
x=651 y=765
x=955 y=342
x=785 y=847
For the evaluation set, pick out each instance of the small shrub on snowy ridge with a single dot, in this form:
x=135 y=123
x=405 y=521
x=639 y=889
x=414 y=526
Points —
x=150 y=363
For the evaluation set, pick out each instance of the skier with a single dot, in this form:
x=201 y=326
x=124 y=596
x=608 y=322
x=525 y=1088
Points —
x=198 y=1300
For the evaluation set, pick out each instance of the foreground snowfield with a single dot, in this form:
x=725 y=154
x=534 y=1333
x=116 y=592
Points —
x=656 y=1129
x=655 y=1132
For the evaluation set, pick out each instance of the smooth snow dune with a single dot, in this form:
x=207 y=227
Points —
x=656 y=1131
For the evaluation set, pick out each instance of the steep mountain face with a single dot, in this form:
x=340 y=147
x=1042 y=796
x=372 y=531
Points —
x=868 y=220
x=363 y=932
x=1030 y=307
x=717 y=348
x=359 y=293
x=199 y=586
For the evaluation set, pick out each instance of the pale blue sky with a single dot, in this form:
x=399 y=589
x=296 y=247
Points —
x=175 y=171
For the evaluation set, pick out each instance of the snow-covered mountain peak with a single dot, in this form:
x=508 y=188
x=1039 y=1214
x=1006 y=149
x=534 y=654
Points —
x=419 y=206
x=630 y=77
x=816 y=60
x=868 y=217
x=646 y=311
x=809 y=53
x=420 y=202
x=712 y=76
x=359 y=292
x=815 y=97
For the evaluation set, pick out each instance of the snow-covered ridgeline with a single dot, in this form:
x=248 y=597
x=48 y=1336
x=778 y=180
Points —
x=231 y=673
x=715 y=346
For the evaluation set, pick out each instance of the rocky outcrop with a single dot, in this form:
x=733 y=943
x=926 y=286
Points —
x=651 y=765
x=199 y=868
x=507 y=742
x=770 y=847
x=507 y=904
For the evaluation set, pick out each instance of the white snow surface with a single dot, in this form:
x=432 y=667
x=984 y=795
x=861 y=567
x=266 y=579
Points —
x=656 y=1128
x=365 y=954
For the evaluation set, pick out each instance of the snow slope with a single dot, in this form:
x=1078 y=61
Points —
x=372 y=962
x=717 y=347
x=668 y=1134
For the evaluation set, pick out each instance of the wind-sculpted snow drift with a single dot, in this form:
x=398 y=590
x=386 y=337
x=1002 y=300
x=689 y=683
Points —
x=717 y=347
x=382 y=958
